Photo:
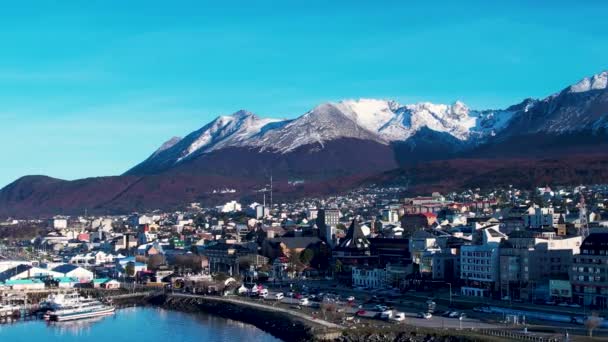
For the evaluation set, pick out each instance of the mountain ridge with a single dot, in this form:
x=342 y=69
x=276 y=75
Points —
x=336 y=145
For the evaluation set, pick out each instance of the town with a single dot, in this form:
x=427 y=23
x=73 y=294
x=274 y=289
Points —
x=540 y=254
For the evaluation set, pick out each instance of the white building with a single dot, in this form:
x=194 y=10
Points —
x=480 y=264
x=369 y=277
x=60 y=223
x=74 y=271
x=230 y=207
x=537 y=217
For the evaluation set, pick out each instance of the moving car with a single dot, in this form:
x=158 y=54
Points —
x=398 y=317
x=424 y=315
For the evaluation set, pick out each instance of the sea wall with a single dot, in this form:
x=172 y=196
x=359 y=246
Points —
x=279 y=324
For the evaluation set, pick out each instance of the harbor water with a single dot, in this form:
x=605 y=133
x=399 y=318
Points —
x=136 y=324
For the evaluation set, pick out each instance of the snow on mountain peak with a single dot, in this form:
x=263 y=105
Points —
x=598 y=81
x=224 y=131
x=167 y=145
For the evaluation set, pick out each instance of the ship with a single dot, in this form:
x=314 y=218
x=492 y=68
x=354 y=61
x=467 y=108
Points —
x=71 y=306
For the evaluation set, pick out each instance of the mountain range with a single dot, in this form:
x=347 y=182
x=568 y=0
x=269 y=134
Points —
x=338 y=145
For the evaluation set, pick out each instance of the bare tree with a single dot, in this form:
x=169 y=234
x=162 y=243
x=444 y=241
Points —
x=592 y=322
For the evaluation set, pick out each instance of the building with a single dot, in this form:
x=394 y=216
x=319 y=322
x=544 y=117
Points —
x=74 y=271
x=537 y=217
x=589 y=272
x=327 y=220
x=370 y=277
x=414 y=222
x=529 y=262
x=354 y=250
x=479 y=264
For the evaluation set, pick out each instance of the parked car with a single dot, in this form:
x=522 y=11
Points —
x=574 y=305
x=279 y=296
x=454 y=314
x=304 y=301
x=350 y=299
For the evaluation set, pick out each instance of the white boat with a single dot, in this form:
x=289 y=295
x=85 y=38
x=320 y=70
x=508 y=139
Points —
x=71 y=306
x=81 y=312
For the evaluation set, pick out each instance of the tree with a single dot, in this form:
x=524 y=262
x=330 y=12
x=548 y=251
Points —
x=130 y=269
x=306 y=256
x=337 y=266
x=592 y=322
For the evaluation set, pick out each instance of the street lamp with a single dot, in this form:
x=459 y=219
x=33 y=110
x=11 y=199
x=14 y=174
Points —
x=450 y=284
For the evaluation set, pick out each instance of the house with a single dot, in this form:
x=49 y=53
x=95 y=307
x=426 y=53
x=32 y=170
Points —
x=105 y=283
x=74 y=271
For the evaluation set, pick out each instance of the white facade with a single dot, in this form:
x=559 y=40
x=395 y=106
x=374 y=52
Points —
x=60 y=223
x=480 y=263
x=369 y=277
x=230 y=207
x=540 y=217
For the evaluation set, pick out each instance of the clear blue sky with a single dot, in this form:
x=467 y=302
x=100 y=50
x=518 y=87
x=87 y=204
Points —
x=90 y=88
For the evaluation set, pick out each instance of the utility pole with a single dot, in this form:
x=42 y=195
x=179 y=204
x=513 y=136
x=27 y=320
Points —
x=582 y=217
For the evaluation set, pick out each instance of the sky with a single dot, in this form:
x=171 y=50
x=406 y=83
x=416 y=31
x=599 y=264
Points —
x=91 y=88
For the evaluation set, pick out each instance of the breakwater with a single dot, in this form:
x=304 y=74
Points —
x=280 y=323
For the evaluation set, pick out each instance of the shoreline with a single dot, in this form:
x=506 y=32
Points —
x=280 y=323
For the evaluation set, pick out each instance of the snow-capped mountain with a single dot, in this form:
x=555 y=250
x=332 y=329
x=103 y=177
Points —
x=595 y=82
x=581 y=106
x=561 y=138
x=381 y=121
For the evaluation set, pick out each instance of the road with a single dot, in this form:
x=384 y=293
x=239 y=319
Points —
x=261 y=306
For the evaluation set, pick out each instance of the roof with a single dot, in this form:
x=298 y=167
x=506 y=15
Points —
x=65 y=268
x=596 y=241
x=296 y=242
x=11 y=272
x=67 y=279
x=22 y=282
x=101 y=280
x=354 y=239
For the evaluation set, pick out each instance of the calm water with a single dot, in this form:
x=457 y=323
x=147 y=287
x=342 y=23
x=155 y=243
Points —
x=137 y=324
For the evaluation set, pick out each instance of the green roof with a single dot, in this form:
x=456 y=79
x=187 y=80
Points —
x=22 y=282
x=66 y=279
x=101 y=280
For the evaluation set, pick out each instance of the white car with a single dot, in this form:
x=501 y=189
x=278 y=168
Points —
x=398 y=317
x=304 y=301
x=350 y=299
x=425 y=315
x=279 y=296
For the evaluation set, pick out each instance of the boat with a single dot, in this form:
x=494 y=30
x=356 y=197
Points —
x=82 y=311
x=71 y=306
